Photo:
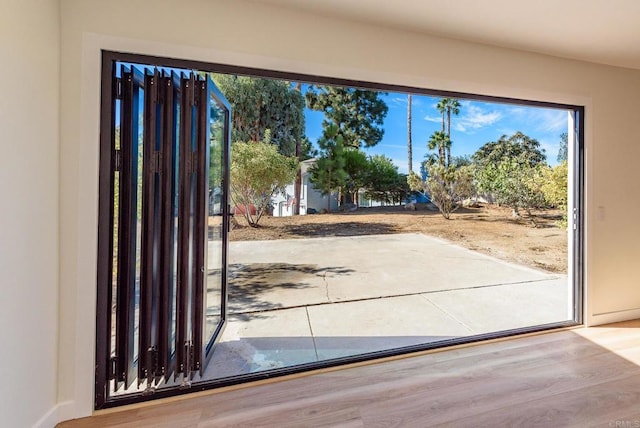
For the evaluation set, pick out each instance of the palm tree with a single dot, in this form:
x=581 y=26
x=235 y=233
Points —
x=448 y=105
x=440 y=141
x=409 y=148
x=298 y=183
x=442 y=108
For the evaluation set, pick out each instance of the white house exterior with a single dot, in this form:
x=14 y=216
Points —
x=310 y=198
x=283 y=203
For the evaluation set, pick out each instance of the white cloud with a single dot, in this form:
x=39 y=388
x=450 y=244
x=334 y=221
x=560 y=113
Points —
x=506 y=119
x=398 y=100
x=392 y=146
x=553 y=121
x=437 y=119
x=550 y=149
x=474 y=117
x=539 y=119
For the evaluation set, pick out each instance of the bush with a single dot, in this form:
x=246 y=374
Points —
x=513 y=183
x=258 y=171
x=447 y=186
x=555 y=188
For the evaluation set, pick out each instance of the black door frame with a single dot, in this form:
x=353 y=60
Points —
x=105 y=218
x=172 y=113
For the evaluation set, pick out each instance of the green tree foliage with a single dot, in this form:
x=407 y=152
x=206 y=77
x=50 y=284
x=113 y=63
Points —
x=520 y=146
x=448 y=182
x=415 y=181
x=563 y=151
x=260 y=104
x=555 y=188
x=400 y=189
x=441 y=143
x=513 y=183
x=350 y=170
x=258 y=171
x=462 y=160
x=356 y=167
x=448 y=106
x=359 y=114
x=383 y=182
x=511 y=170
x=447 y=186
x=216 y=146
x=328 y=174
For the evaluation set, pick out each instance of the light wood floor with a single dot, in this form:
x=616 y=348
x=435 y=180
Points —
x=581 y=377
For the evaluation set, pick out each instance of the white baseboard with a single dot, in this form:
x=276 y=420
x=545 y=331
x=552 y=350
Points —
x=58 y=413
x=67 y=410
x=611 y=317
x=49 y=420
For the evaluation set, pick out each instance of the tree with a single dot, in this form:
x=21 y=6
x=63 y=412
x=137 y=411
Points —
x=440 y=142
x=555 y=188
x=447 y=186
x=510 y=170
x=462 y=160
x=399 y=189
x=518 y=145
x=448 y=105
x=298 y=184
x=356 y=167
x=216 y=145
x=382 y=178
x=328 y=174
x=409 y=142
x=258 y=171
x=514 y=183
x=259 y=104
x=357 y=113
x=563 y=151
x=447 y=183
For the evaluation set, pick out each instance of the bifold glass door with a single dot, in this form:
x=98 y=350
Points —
x=167 y=242
x=373 y=284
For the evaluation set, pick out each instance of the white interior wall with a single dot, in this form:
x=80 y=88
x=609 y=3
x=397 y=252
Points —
x=29 y=137
x=247 y=34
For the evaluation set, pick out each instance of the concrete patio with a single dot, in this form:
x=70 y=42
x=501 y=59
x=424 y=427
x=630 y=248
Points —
x=306 y=300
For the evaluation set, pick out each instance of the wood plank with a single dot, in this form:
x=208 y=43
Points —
x=597 y=405
x=580 y=377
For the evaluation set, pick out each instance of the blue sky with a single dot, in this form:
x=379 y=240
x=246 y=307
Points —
x=477 y=124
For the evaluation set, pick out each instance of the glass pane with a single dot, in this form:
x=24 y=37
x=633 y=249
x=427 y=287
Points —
x=114 y=267
x=215 y=219
x=176 y=203
x=116 y=210
x=138 y=224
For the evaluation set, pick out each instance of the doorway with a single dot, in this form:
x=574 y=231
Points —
x=167 y=283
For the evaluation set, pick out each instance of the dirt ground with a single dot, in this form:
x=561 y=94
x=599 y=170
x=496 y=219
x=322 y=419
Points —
x=487 y=229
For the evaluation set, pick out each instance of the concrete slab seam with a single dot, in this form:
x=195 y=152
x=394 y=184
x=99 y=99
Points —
x=313 y=337
x=444 y=311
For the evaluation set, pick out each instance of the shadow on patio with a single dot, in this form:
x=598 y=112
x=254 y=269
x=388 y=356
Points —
x=251 y=284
